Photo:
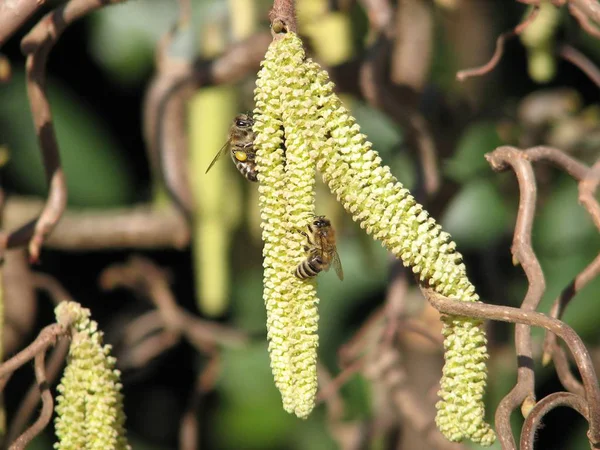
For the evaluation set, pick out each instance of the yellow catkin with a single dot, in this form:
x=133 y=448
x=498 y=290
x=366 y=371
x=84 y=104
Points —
x=90 y=405
x=295 y=94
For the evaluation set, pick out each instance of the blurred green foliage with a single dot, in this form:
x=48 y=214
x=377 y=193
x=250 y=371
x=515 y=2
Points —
x=477 y=216
x=480 y=215
x=97 y=174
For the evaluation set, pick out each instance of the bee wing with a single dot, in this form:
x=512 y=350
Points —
x=220 y=153
x=337 y=265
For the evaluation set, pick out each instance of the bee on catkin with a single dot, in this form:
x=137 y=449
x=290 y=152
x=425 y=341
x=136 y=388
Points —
x=321 y=250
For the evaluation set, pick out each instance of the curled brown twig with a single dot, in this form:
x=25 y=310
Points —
x=37 y=351
x=581 y=61
x=57 y=293
x=501 y=159
x=37 y=46
x=46 y=338
x=144 y=277
x=385 y=367
x=588 y=182
x=548 y=403
x=165 y=127
x=587 y=13
x=493 y=62
x=159 y=330
x=47 y=405
x=31 y=400
x=532 y=318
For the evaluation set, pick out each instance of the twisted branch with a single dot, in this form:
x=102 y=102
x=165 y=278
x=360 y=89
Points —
x=47 y=406
x=37 y=46
x=493 y=62
x=142 y=276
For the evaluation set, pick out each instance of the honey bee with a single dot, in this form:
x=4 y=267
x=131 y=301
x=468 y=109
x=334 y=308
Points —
x=321 y=250
x=240 y=144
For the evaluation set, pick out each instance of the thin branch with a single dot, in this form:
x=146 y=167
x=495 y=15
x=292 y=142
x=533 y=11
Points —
x=283 y=17
x=57 y=293
x=531 y=318
x=382 y=94
x=235 y=63
x=140 y=227
x=573 y=167
x=148 y=349
x=414 y=326
x=500 y=159
x=561 y=363
x=148 y=323
x=395 y=303
x=543 y=407
x=189 y=429
x=581 y=61
x=144 y=277
x=347 y=434
x=590 y=9
x=413 y=43
x=584 y=21
x=50 y=286
x=20 y=304
x=588 y=184
x=587 y=190
x=386 y=367
x=31 y=400
x=14 y=13
x=37 y=46
x=356 y=345
x=47 y=405
x=46 y=338
x=493 y=62
x=165 y=127
x=341 y=379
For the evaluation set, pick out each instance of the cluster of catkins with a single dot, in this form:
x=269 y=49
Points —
x=301 y=127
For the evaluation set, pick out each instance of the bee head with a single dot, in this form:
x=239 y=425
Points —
x=244 y=121
x=321 y=222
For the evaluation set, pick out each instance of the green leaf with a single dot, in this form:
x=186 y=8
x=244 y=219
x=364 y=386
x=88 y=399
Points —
x=251 y=416
x=382 y=131
x=365 y=273
x=583 y=312
x=477 y=216
x=123 y=37
x=469 y=159
x=96 y=172
x=562 y=224
x=248 y=306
